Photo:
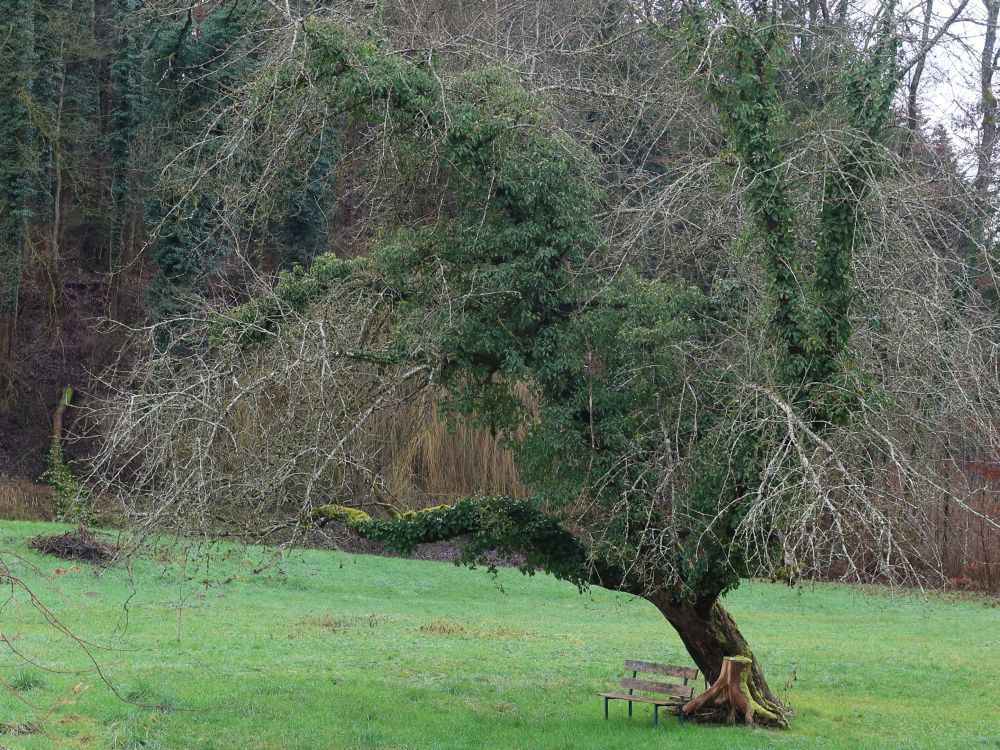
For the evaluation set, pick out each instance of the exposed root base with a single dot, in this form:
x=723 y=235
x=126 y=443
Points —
x=731 y=699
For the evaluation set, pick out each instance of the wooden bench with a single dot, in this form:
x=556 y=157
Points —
x=676 y=695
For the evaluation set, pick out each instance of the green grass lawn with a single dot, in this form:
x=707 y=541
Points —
x=346 y=651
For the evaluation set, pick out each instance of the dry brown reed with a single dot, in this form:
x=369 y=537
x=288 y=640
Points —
x=24 y=500
x=428 y=460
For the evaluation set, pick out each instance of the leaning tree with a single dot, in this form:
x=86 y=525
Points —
x=672 y=439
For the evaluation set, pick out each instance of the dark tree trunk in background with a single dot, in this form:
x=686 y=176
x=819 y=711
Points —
x=6 y=353
x=912 y=106
x=988 y=102
x=125 y=83
x=985 y=176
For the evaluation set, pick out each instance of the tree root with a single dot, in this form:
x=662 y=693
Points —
x=731 y=697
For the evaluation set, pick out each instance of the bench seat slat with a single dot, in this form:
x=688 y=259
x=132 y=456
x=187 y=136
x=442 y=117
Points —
x=680 y=691
x=667 y=670
x=643 y=699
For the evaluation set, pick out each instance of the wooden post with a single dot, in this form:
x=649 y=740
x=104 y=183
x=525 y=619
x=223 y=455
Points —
x=57 y=427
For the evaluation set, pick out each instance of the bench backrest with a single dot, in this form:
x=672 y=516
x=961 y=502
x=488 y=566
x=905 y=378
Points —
x=666 y=670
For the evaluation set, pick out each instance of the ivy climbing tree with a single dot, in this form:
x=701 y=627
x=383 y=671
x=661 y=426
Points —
x=643 y=457
x=598 y=351
x=16 y=54
x=127 y=83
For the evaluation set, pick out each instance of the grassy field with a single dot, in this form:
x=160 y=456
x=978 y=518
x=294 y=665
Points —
x=344 y=651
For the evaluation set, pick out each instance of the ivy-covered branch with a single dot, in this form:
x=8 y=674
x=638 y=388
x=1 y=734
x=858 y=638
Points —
x=750 y=114
x=811 y=325
x=869 y=90
x=514 y=227
x=487 y=524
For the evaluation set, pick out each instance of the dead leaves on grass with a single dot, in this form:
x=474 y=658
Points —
x=453 y=629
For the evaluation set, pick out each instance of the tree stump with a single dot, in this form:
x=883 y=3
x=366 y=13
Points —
x=730 y=698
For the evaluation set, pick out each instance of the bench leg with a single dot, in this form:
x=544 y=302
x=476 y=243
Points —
x=605 y=709
x=656 y=716
x=630 y=709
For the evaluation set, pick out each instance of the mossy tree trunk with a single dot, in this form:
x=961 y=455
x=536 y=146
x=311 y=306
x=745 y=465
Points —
x=58 y=417
x=712 y=638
